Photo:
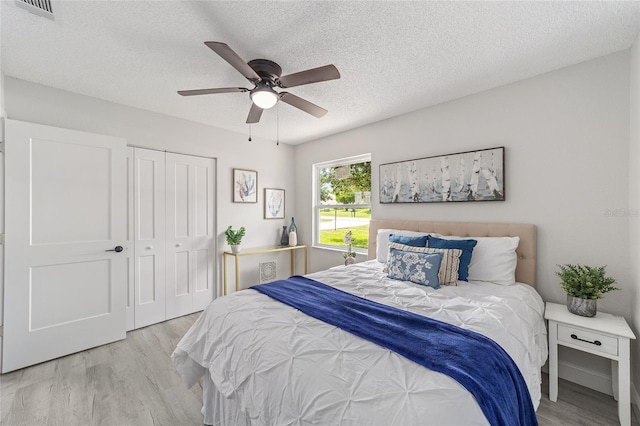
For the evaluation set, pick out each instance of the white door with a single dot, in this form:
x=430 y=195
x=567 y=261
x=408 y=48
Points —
x=131 y=296
x=190 y=238
x=65 y=212
x=149 y=229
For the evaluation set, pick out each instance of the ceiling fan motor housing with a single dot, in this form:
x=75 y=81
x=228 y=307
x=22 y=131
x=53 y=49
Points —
x=266 y=69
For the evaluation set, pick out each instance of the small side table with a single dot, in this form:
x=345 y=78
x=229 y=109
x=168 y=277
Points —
x=604 y=335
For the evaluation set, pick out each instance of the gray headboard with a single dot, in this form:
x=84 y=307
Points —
x=526 y=251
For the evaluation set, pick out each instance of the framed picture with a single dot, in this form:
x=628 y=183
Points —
x=245 y=186
x=463 y=176
x=273 y=203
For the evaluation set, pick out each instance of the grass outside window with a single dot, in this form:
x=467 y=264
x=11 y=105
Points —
x=340 y=217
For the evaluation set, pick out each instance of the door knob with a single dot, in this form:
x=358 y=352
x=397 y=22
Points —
x=117 y=249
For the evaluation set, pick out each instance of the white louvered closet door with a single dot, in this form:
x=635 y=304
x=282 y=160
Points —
x=190 y=236
x=149 y=228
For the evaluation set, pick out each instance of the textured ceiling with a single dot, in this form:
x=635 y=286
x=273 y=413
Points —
x=394 y=57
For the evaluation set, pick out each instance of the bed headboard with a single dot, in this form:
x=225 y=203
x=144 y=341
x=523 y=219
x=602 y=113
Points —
x=526 y=251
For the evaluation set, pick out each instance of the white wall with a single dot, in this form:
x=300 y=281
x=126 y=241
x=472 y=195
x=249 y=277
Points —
x=566 y=135
x=44 y=105
x=634 y=211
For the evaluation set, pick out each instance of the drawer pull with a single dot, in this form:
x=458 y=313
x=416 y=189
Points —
x=595 y=342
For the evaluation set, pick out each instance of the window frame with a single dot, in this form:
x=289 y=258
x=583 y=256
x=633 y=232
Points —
x=317 y=205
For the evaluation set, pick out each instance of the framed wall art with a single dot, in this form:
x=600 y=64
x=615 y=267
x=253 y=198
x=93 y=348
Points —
x=463 y=176
x=273 y=203
x=245 y=186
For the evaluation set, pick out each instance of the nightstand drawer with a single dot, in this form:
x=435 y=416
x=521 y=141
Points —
x=588 y=339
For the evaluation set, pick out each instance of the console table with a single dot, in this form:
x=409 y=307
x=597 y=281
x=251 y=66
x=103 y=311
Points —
x=261 y=250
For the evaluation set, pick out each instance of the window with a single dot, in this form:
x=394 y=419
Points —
x=342 y=202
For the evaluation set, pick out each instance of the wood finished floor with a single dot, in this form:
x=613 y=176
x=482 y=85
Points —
x=133 y=382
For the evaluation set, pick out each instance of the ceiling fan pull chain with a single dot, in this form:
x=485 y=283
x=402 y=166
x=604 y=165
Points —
x=249 y=132
x=278 y=124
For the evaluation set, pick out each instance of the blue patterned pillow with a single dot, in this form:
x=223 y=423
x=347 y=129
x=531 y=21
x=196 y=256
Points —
x=419 y=268
x=467 y=250
x=409 y=240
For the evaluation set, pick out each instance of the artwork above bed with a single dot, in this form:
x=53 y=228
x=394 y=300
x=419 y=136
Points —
x=464 y=176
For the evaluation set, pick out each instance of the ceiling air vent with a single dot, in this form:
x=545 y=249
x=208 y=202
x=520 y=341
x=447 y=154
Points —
x=39 y=7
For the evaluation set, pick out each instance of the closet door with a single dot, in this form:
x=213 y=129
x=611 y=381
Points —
x=190 y=239
x=130 y=306
x=203 y=240
x=149 y=213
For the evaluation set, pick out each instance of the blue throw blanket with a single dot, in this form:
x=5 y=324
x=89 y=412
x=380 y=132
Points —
x=473 y=360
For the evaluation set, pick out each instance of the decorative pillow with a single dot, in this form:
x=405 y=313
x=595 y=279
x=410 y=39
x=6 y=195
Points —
x=494 y=259
x=448 y=267
x=467 y=250
x=409 y=240
x=419 y=268
x=382 y=245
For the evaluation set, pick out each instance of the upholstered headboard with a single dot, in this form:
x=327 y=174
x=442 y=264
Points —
x=526 y=251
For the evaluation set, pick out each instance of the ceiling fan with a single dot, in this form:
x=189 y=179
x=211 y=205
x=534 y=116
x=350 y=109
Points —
x=265 y=75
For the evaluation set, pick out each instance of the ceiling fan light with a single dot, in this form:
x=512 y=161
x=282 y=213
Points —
x=264 y=97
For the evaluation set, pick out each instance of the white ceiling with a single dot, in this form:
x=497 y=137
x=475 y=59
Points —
x=394 y=57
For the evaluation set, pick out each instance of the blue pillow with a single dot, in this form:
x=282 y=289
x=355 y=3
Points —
x=467 y=250
x=409 y=240
x=419 y=268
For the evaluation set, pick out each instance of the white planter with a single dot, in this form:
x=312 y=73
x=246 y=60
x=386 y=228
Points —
x=235 y=248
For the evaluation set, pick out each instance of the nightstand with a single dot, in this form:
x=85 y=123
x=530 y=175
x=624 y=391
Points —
x=604 y=335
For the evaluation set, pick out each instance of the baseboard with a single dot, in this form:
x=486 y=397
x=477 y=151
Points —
x=635 y=402
x=585 y=377
x=594 y=380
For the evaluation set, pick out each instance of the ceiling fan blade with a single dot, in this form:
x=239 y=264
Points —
x=232 y=57
x=212 y=91
x=254 y=114
x=302 y=104
x=315 y=75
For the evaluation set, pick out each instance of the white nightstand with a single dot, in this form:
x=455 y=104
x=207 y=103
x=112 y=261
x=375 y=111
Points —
x=605 y=335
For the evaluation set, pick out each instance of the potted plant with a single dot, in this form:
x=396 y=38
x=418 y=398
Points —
x=234 y=238
x=584 y=286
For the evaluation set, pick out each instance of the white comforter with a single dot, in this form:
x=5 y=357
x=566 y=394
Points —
x=268 y=363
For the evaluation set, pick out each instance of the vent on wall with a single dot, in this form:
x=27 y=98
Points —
x=267 y=272
x=39 y=7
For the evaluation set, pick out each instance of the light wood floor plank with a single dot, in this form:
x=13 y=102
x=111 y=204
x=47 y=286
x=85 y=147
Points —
x=133 y=382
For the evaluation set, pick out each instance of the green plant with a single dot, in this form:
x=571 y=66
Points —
x=585 y=282
x=234 y=237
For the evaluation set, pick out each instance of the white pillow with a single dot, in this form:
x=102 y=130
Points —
x=494 y=259
x=382 y=241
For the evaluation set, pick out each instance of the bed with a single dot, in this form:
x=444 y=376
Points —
x=265 y=362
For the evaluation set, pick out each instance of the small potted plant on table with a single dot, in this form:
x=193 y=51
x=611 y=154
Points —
x=584 y=286
x=234 y=238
